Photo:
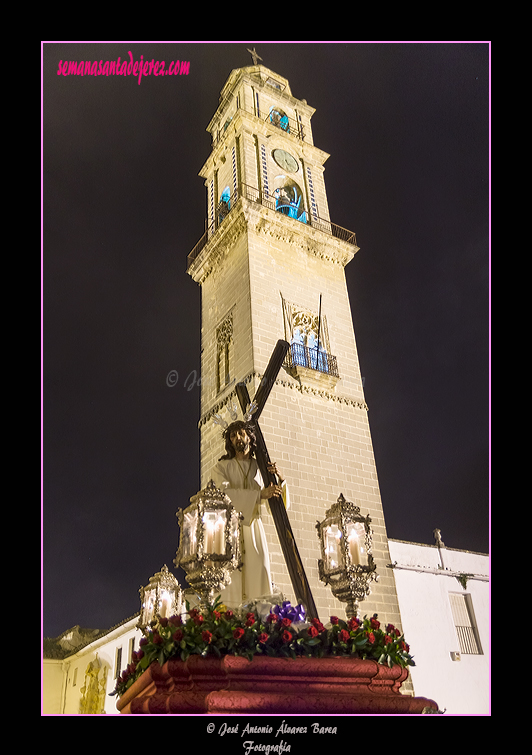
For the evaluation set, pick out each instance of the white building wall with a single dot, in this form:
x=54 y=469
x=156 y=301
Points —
x=63 y=679
x=458 y=686
x=423 y=589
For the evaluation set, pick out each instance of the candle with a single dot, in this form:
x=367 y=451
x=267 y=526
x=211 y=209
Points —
x=354 y=549
x=165 y=603
x=208 y=544
x=355 y=540
x=219 y=544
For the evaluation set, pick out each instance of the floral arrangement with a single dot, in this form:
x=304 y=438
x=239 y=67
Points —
x=280 y=631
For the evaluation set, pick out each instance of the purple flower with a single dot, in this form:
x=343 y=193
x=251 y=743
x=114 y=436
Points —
x=287 y=611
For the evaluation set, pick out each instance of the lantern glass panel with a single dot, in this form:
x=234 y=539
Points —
x=148 y=606
x=333 y=535
x=214 y=531
x=356 y=536
x=235 y=520
x=190 y=521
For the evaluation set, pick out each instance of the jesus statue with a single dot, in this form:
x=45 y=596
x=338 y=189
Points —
x=238 y=475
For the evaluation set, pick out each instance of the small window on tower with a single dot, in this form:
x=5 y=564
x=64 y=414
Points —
x=289 y=199
x=280 y=119
x=225 y=204
x=224 y=353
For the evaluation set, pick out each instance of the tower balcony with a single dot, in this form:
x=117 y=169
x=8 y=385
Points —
x=278 y=202
x=312 y=366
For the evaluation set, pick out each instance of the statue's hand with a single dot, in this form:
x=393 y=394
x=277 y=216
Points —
x=272 y=467
x=271 y=491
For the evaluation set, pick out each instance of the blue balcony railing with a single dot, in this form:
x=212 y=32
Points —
x=303 y=356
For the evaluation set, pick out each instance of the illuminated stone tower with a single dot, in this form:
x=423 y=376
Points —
x=269 y=252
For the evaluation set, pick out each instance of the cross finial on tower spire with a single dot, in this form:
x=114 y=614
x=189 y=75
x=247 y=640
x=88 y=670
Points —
x=254 y=55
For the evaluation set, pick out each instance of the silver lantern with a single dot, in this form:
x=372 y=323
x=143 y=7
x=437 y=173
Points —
x=346 y=562
x=209 y=544
x=162 y=597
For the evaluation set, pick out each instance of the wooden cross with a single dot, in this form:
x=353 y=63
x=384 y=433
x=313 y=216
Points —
x=280 y=517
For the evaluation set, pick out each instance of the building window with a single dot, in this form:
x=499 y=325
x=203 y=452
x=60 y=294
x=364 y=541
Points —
x=465 y=624
x=225 y=204
x=235 y=174
x=224 y=345
x=301 y=332
x=313 y=205
x=118 y=662
x=264 y=163
x=280 y=119
x=131 y=649
x=289 y=199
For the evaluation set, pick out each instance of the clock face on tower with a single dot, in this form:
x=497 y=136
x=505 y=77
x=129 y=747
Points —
x=285 y=160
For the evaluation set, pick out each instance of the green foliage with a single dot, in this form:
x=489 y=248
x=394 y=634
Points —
x=217 y=631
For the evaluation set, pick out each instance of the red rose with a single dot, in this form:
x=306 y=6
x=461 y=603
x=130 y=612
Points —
x=287 y=636
x=198 y=620
x=143 y=641
x=206 y=636
x=250 y=621
x=157 y=639
x=312 y=632
x=193 y=612
x=353 y=624
x=387 y=640
x=334 y=619
x=343 y=635
x=229 y=614
x=175 y=621
x=286 y=622
x=217 y=615
x=238 y=633
x=163 y=621
x=374 y=623
x=272 y=617
x=177 y=636
x=371 y=638
x=250 y=615
x=263 y=637
x=404 y=646
x=319 y=626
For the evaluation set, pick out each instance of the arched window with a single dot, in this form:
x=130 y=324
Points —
x=289 y=199
x=225 y=204
x=280 y=119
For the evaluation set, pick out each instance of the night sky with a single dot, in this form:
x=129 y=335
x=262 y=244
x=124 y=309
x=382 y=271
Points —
x=407 y=130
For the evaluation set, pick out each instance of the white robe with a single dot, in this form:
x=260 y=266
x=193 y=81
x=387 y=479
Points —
x=242 y=482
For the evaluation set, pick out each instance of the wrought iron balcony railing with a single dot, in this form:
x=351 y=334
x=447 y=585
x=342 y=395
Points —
x=278 y=204
x=274 y=116
x=303 y=356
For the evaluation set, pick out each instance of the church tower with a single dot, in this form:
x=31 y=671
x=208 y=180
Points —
x=271 y=266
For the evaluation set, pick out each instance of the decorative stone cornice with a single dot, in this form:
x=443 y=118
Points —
x=218 y=246
x=251 y=216
x=311 y=240
x=293 y=385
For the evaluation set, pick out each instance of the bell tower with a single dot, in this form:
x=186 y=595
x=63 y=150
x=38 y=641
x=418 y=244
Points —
x=271 y=266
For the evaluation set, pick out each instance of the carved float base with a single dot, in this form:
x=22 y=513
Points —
x=234 y=685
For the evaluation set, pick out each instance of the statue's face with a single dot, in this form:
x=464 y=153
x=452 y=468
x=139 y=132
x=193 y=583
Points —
x=240 y=440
